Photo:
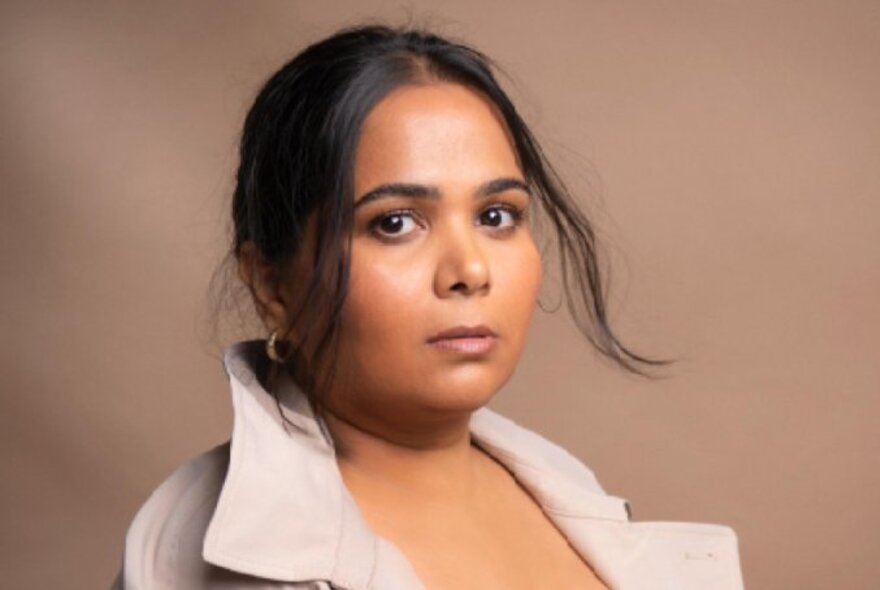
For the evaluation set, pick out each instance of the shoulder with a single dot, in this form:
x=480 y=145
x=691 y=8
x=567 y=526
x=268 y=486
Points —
x=632 y=554
x=163 y=545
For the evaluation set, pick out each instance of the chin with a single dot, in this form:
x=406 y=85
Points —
x=461 y=403
x=460 y=393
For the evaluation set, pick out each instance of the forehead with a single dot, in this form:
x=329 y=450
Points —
x=436 y=133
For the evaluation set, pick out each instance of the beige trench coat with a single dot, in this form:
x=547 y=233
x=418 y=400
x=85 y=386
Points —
x=269 y=509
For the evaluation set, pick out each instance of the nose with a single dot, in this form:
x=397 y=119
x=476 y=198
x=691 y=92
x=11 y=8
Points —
x=463 y=268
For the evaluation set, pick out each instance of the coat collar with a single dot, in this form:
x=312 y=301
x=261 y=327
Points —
x=285 y=514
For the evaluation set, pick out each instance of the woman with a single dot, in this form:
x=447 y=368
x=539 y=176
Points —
x=383 y=213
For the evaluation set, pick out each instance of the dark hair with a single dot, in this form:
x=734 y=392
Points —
x=297 y=159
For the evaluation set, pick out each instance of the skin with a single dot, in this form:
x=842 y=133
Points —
x=399 y=411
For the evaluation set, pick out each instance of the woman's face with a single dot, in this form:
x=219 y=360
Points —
x=438 y=243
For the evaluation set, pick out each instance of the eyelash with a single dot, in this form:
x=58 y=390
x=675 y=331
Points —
x=517 y=214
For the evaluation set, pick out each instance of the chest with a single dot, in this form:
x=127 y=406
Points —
x=504 y=542
x=520 y=553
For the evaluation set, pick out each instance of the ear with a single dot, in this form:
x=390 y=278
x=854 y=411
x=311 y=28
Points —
x=263 y=281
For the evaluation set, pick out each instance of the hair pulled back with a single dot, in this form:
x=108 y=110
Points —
x=297 y=159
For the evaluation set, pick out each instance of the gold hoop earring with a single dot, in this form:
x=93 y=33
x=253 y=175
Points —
x=271 y=350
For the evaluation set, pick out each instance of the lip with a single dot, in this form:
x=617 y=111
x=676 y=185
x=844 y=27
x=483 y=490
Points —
x=465 y=339
x=465 y=332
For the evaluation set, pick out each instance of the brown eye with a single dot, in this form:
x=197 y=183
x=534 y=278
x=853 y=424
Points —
x=393 y=224
x=500 y=217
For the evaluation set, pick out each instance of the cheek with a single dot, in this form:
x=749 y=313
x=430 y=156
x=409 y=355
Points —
x=380 y=310
x=518 y=280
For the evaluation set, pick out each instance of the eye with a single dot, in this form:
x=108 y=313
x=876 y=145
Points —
x=393 y=224
x=501 y=216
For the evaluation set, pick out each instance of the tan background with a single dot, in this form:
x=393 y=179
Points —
x=735 y=146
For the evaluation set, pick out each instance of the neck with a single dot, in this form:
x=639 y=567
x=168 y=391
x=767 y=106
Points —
x=434 y=465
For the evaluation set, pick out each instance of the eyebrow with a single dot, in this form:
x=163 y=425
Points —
x=422 y=191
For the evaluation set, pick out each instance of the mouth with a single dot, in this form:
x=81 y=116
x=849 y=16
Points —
x=465 y=339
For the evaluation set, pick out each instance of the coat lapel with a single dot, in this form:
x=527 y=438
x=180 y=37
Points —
x=627 y=555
